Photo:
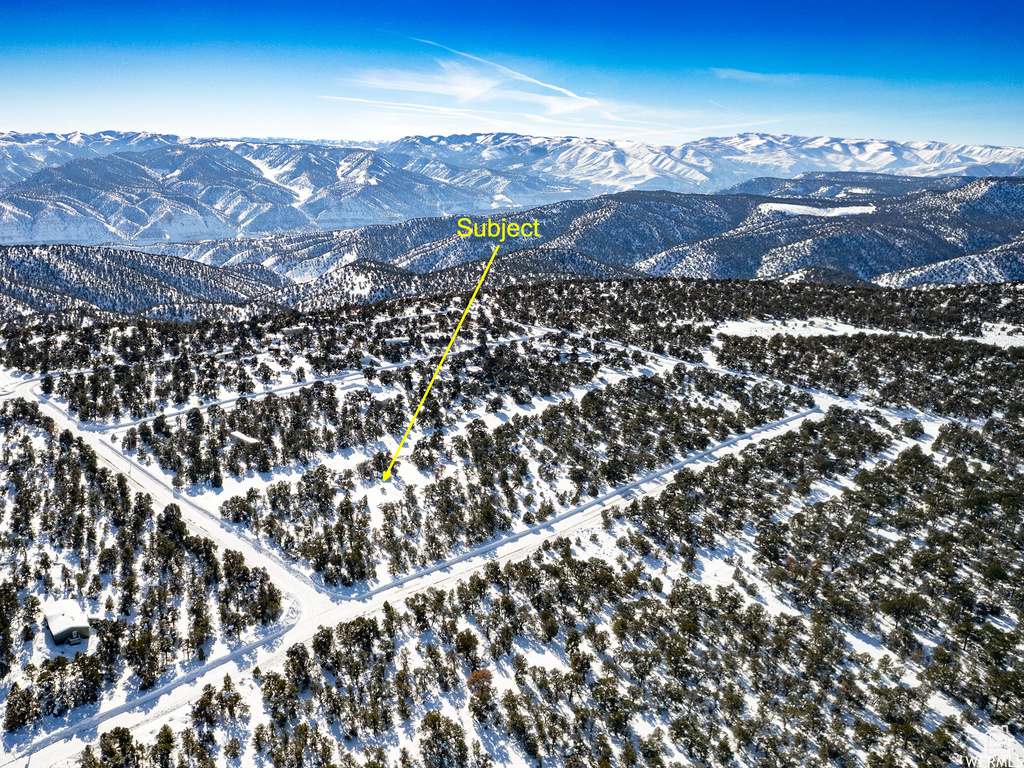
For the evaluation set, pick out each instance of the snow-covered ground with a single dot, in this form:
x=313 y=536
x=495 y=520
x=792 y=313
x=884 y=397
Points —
x=1000 y=335
x=311 y=604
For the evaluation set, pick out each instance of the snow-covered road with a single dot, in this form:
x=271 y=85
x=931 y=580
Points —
x=308 y=605
x=348 y=380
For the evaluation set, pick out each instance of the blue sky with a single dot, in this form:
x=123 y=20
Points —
x=658 y=72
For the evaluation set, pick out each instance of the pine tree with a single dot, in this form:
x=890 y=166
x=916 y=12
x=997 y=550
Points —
x=442 y=742
x=22 y=708
x=162 y=751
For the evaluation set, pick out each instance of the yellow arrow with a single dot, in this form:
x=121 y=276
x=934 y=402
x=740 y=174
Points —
x=387 y=472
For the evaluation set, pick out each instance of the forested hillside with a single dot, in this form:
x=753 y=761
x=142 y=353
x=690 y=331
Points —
x=637 y=523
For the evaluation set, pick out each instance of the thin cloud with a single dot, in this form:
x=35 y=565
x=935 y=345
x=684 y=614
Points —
x=481 y=114
x=423 y=108
x=732 y=126
x=744 y=76
x=468 y=92
x=728 y=109
x=471 y=83
x=511 y=72
x=462 y=82
x=523 y=122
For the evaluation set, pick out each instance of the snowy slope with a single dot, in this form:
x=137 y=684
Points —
x=65 y=278
x=1004 y=263
x=844 y=184
x=679 y=235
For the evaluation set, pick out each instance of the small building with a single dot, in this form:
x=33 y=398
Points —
x=66 y=621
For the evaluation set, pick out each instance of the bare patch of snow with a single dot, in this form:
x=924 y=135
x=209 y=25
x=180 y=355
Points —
x=791 y=209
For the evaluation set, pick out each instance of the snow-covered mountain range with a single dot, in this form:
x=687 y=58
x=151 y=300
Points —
x=140 y=188
x=892 y=240
x=597 y=166
x=970 y=233
x=22 y=154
